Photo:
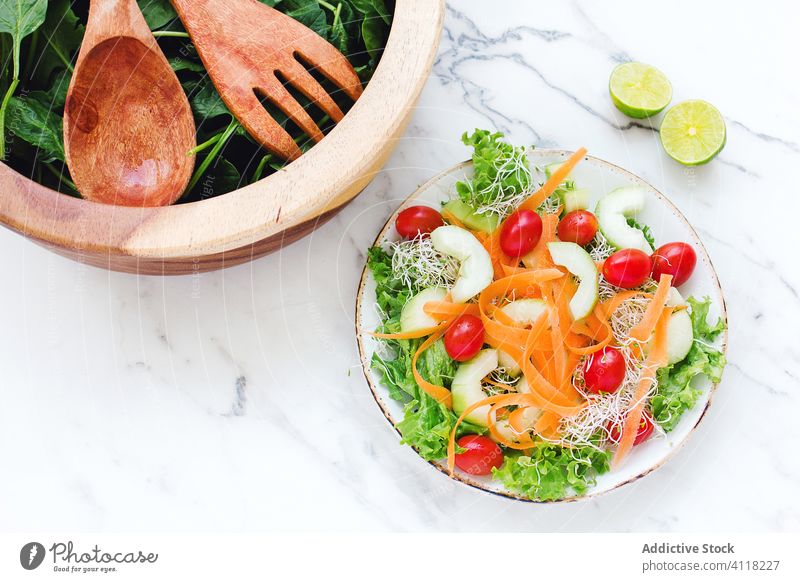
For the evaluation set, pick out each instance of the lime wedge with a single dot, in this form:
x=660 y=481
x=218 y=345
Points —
x=639 y=90
x=693 y=132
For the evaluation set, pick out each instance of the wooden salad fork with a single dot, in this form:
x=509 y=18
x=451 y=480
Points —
x=245 y=45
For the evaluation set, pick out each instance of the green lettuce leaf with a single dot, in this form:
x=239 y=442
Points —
x=553 y=472
x=675 y=393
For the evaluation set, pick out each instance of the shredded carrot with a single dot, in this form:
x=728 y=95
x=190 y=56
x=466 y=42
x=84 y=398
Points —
x=642 y=330
x=594 y=328
x=447 y=309
x=656 y=359
x=610 y=305
x=420 y=333
x=535 y=200
x=547 y=424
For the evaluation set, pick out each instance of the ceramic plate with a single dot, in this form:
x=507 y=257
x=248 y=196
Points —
x=667 y=224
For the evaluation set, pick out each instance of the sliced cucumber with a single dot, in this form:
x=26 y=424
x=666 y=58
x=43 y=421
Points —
x=466 y=214
x=576 y=199
x=524 y=310
x=521 y=311
x=466 y=387
x=680 y=334
x=613 y=211
x=475 y=271
x=413 y=316
x=577 y=261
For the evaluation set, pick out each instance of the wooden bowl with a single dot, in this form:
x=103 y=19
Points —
x=256 y=219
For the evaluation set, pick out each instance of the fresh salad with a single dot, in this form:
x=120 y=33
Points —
x=531 y=339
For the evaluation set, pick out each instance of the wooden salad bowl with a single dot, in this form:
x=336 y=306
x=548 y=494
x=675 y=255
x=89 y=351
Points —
x=256 y=219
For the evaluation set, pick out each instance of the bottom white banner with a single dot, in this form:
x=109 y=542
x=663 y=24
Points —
x=408 y=557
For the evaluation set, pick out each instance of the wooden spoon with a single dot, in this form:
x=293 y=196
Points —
x=127 y=124
x=245 y=45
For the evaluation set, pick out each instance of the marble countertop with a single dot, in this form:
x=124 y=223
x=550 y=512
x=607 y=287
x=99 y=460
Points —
x=234 y=401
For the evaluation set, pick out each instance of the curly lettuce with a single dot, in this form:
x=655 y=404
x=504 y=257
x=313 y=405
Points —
x=675 y=393
x=501 y=174
x=552 y=471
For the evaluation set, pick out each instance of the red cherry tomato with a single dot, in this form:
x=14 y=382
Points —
x=464 y=338
x=604 y=371
x=646 y=427
x=579 y=226
x=627 y=268
x=481 y=456
x=520 y=233
x=418 y=220
x=677 y=259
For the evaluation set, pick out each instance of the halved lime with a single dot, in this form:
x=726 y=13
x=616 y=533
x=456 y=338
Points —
x=693 y=132
x=639 y=90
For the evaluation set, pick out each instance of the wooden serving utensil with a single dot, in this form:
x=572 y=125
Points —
x=127 y=123
x=244 y=45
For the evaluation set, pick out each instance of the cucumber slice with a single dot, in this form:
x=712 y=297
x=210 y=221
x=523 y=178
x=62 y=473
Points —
x=577 y=261
x=680 y=335
x=521 y=311
x=612 y=212
x=576 y=199
x=475 y=272
x=466 y=387
x=466 y=214
x=524 y=310
x=413 y=316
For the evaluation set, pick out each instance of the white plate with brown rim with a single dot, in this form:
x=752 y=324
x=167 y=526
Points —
x=667 y=225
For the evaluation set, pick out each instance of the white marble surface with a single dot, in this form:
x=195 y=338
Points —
x=233 y=401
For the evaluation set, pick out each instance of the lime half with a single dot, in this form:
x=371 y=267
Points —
x=693 y=132
x=639 y=90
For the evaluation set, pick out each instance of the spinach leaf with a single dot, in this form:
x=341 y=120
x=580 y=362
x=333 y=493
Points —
x=182 y=64
x=221 y=177
x=19 y=18
x=205 y=101
x=37 y=124
x=374 y=32
x=157 y=13
x=310 y=13
x=61 y=37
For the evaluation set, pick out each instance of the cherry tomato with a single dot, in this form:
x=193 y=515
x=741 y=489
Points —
x=579 y=226
x=464 y=338
x=646 y=427
x=677 y=259
x=520 y=233
x=481 y=456
x=627 y=268
x=418 y=220
x=604 y=371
